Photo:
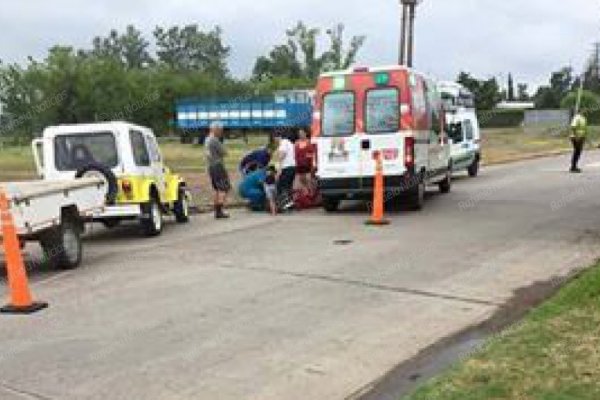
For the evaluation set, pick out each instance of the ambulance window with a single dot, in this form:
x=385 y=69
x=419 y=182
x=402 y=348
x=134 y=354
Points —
x=382 y=111
x=468 y=130
x=338 y=114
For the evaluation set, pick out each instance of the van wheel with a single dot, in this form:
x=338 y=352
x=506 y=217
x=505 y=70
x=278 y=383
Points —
x=446 y=184
x=152 y=218
x=331 y=205
x=473 y=169
x=63 y=247
x=181 y=209
x=416 y=197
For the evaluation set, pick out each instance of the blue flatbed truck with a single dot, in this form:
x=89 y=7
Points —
x=285 y=111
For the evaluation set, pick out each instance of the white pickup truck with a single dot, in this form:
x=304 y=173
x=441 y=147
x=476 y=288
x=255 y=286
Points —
x=462 y=127
x=53 y=213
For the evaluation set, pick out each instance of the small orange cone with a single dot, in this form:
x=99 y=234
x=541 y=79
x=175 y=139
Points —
x=20 y=296
x=378 y=207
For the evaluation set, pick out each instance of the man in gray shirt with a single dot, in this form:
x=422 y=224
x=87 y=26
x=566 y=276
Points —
x=215 y=157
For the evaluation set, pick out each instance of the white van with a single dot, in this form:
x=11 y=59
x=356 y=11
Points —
x=462 y=127
x=392 y=112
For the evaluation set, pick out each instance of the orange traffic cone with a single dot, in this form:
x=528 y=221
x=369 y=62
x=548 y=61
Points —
x=20 y=296
x=378 y=207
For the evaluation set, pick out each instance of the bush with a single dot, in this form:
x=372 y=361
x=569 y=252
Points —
x=590 y=105
x=501 y=118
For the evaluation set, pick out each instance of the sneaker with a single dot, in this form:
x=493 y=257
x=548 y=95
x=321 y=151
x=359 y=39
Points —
x=575 y=171
x=222 y=216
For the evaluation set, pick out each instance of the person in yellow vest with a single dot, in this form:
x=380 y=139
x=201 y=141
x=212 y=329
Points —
x=579 y=130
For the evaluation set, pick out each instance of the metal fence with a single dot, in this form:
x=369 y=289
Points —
x=546 y=118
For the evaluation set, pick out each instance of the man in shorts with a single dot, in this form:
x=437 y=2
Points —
x=215 y=158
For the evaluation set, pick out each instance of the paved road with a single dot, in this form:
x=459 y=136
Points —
x=308 y=306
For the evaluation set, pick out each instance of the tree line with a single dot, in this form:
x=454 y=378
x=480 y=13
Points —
x=560 y=92
x=125 y=75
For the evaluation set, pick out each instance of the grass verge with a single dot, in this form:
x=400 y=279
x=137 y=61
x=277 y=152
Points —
x=553 y=354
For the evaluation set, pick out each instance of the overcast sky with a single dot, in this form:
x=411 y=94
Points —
x=529 y=38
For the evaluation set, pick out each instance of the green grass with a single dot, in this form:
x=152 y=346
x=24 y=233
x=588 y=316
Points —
x=17 y=161
x=554 y=354
x=191 y=157
x=503 y=145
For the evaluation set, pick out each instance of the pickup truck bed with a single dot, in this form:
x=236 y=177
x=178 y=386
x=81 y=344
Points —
x=39 y=205
x=54 y=213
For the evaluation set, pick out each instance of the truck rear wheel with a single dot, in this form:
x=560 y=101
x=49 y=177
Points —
x=181 y=209
x=63 y=247
x=152 y=218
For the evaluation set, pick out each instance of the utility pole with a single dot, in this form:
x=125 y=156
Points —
x=402 y=50
x=407 y=33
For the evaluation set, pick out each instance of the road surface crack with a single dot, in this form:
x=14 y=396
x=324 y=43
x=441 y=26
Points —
x=24 y=394
x=368 y=285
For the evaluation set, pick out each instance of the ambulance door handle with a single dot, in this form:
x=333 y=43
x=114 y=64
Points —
x=365 y=144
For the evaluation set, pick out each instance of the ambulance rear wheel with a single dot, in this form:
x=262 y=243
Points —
x=331 y=204
x=473 y=169
x=446 y=184
x=416 y=197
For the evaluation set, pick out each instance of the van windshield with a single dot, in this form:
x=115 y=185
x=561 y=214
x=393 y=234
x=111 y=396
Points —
x=75 y=151
x=383 y=111
x=338 y=114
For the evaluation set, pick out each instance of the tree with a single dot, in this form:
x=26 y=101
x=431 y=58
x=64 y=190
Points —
x=337 y=57
x=487 y=92
x=282 y=62
x=589 y=105
x=591 y=76
x=511 y=88
x=188 y=48
x=522 y=92
x=550 y=97
x=298 y=57
x=130 y=48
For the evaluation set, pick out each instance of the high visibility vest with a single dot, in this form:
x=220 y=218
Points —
x=579 y=126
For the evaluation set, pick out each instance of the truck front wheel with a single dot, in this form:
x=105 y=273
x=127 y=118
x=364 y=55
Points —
x=63 y=247
x=152 y=218
x=181 y=209
x=473 y=169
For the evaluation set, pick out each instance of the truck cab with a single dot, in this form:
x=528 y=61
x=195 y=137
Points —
x=127 y=157
x=462 y=127
x=394 y=113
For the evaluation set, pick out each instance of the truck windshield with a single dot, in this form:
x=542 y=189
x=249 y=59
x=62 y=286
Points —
x=383 y=111
x=75 y=151
x=338 y=114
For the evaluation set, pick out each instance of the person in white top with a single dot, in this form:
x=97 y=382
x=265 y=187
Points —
x=286 y=155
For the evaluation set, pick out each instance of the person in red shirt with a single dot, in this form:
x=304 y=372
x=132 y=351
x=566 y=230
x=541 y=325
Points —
x=306 y=195
x=305 y=159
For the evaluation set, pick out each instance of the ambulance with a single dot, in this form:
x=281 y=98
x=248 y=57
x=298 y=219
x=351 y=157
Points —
x=392 y=113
